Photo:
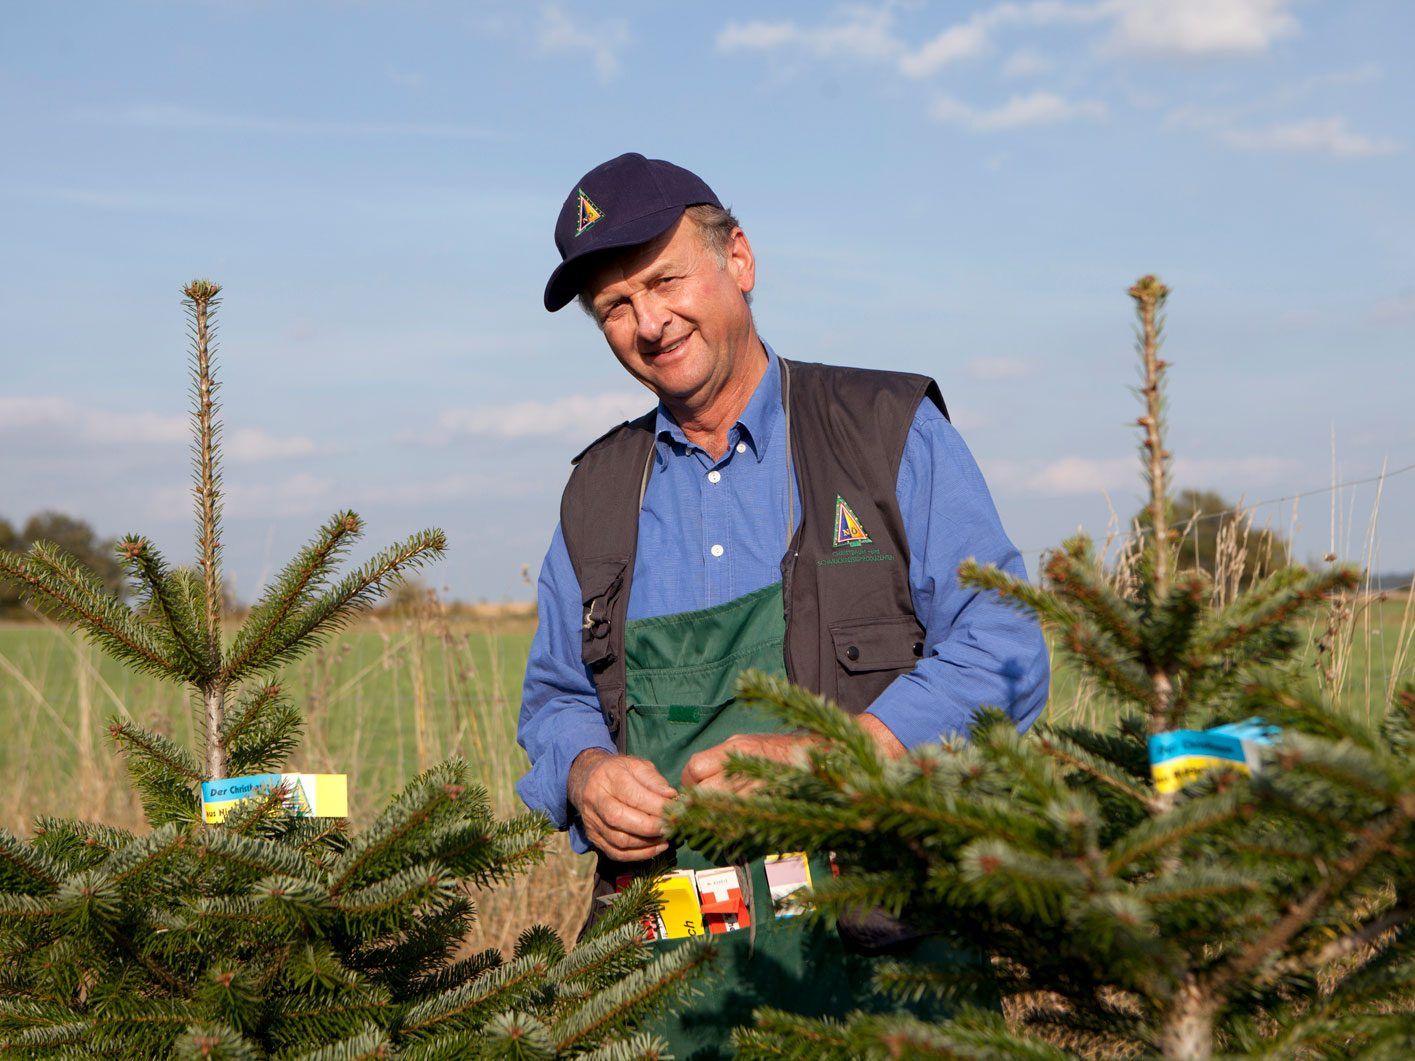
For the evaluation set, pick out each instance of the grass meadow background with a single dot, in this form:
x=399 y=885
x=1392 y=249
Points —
x=393 y=695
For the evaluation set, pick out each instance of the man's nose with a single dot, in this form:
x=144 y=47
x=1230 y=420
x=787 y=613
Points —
x=652 y=315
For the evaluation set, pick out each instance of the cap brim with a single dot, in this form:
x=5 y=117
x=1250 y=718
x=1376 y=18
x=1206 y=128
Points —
x=565 y=282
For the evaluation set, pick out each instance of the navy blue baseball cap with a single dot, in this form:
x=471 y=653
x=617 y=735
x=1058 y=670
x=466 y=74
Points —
x=621 y=203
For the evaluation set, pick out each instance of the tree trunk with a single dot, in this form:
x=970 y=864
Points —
x=1188 y=1030
x=214 y=699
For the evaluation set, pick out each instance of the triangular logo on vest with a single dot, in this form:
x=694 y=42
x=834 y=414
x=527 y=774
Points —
x=848 y=530
x=589 y=213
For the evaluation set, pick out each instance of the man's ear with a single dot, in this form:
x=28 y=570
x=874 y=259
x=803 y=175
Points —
x=741 y=263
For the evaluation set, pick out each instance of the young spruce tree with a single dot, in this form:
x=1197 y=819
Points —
x=1266 y=916
x=272 y=935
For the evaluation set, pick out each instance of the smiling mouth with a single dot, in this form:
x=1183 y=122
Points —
x=670 y=348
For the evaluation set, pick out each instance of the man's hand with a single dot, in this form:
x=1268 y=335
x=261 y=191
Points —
x=620 y=799
x=708 y=769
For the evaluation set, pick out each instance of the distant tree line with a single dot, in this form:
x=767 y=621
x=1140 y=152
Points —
x=1214 y=534
x=72 y=535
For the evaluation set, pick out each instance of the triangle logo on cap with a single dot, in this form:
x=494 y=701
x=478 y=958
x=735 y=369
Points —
x=589 y=213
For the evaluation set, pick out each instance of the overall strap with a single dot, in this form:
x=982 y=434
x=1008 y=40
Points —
x=599 y=519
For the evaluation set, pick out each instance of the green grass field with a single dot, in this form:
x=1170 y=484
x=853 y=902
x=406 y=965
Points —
x=391 y=696
x=383 y=700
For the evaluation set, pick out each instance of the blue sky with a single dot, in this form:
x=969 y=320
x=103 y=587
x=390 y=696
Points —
x=959 y=189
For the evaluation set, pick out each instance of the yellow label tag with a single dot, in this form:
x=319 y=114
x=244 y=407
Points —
x=1173 y=774
x=306 y=795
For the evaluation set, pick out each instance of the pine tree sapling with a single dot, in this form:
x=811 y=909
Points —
x=1267 y=914
x=271 y=934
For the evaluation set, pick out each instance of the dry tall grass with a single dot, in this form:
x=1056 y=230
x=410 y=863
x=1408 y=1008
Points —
x=383 y=701
x=1359 y=652
x=401 y=692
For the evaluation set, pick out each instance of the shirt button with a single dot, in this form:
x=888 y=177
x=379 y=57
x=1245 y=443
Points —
x=714 y=476
x=716 y=550
x=741 y=447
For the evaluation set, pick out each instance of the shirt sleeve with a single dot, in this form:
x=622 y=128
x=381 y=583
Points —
x=560 y=715
x=979 y=651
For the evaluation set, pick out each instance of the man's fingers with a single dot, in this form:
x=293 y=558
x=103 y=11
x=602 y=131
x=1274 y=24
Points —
x=627 y=790
x=647 y=775
x=632 y=821
x=720 y=782
x=704 y=765
x=616 y=843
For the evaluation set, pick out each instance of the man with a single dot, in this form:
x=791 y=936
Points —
x=798 y=518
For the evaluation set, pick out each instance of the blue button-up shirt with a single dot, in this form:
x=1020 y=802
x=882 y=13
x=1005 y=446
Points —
x=711 y=531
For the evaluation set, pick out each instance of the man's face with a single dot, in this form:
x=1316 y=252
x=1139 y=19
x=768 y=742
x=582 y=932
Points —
x=675 y=317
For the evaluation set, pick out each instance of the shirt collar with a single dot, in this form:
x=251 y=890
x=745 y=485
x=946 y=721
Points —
x=755 y=426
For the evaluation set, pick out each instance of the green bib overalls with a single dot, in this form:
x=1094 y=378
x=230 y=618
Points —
x=682 y=670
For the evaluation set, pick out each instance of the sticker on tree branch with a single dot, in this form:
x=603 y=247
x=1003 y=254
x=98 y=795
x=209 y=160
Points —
x=305 y=795
x=1183 y=755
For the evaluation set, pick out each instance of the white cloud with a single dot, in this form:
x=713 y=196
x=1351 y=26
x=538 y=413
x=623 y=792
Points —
x=1198 y=27
x=89 y=425
x=254 y=444
x=1182 y=28
x=858 y=33
x=1036 y=108
x=1063 y=476
x=581 y=416
x=1073 y=476
x=1398 y=309
x=603 y=40
x=295 y=495
x=996 y=368
x=869 y=34
x=1323 y=136
x=962 y=41
x=59 y=420
x=1026 y=63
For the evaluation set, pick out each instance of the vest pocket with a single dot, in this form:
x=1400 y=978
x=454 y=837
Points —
x=871 y=653
x=601 y=581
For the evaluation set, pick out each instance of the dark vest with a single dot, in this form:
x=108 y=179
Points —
x=850 y=624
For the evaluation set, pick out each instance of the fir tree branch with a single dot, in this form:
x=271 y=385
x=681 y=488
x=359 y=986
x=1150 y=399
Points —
x=371 y=1043
x=24 y=869
x=1098 y=653
x=615 y=954
x=1230 y=629
x=780 y=1034
x=145 y=564
x=1071 y=572
x=1064 y=750
x=645 y=1046
x=289 y=591
x=420 y=803
x=166 y=755
x=1358 y=938
x=79 y=597
x=354 y=593
x=460 y=1007
x=388 y=903
x=1155 y=835
x=1375 y=839
x=666 y=977
x=1017 y=592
